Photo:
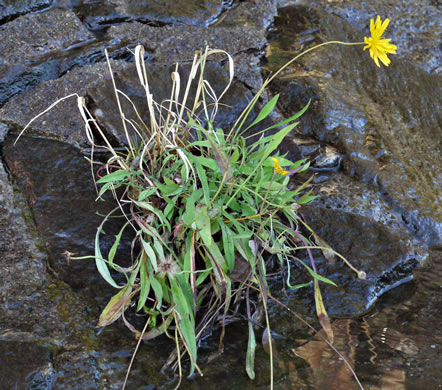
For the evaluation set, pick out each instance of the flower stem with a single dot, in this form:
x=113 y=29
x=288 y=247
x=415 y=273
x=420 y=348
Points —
x=308 y=51
x=243 y=116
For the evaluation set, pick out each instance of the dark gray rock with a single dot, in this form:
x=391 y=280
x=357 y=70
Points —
x=389 y=136
x=12 y=9
x=100 y=15
x=26 y=365
x=17 y=78
x=106 y=111
x=248 y=71
x=387 y=255
x=254 y=14
x=59 y=198
x=33 y=37
x=35 y=47
x=23 y=300
x=415 y=25
x=64 y=122
x=177 y=43
x=194 y=12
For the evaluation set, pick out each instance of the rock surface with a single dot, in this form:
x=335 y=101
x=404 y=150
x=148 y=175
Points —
x=10 y=10
x=59 y=122
x=390 y=144
x=372 y=135
x=415 y=25
x=99 y=15
x=33 y=47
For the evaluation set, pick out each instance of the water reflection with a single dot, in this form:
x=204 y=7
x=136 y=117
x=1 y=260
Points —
x=396 y=347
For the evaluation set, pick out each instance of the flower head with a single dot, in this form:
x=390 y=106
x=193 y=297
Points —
x=379 y=47
x=278 y=167
x=168 y=267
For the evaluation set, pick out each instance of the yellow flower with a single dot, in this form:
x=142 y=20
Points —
x=278 y=167
x=379 y=47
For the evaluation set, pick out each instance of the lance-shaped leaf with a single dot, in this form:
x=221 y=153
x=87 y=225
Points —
x=115 y=176
x=222 y=160
x=250 y=357
x=324 y=320
x=115 y=307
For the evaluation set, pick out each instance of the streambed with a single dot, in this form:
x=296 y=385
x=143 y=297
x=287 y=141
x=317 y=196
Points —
x=375 y=149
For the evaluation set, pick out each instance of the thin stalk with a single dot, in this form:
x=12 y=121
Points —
x=135 y=352
x=310 y=327
x=243 y=116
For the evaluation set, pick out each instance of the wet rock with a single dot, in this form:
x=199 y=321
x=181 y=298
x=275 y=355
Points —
x=414 y=28
x=105 y=13
x=18 y=78
x=193 y=12
x=63 y=122
x=33 y=37
x=339 y=192
x=390 y=137
x=170 y=44
x=322 y=156
x=56 y=180
x=255 y=14
x=12 y=9
x=35 y=47
x=248 y=71
x=106 y=111
x=23 y=277
x=387 y=256
x=25 y=365
x=96 y=15
x=31 y=327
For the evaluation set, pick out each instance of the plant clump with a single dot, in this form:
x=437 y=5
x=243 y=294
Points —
x=210 y=209
x=202 y=203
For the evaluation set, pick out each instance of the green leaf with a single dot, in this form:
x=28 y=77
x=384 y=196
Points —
x=99 y=261
x=266 y=110
x=291 y=119
x=204 y=183
x=205 y=162
x=273 y=142
x=158 y=290
x=186 y=289
x=189 y=214
x=104 y=188
x=186 y=321
x=317 y=276
x=170 y=183
x=115 y=176
x=229 y=253
x=202 y=276
x=306 y=198
x=234 y=157
x=145 y=284
x=169 y=190
x=146 y=193
x=150 y=254
x=113 y=250
x=203 y=228
x=250 y=357
x=115 y=307
x=298 y=286
x=158 y=213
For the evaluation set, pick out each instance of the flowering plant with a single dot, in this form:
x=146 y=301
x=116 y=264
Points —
x=208 y=209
